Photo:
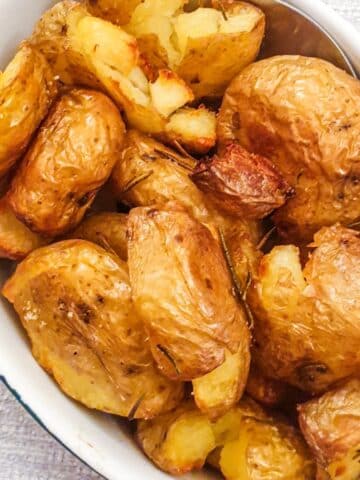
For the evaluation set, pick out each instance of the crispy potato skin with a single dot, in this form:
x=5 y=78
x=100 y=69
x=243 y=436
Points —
x=307 y=330
x=149 y=173
x=27 y=89
x=331 y=426
x=74 y=300
x=67 y=163
x=16 y=239
x=115 y=11
x=191 y=293
x=242 y=184
x=266 y=391
x=315 y=148
x=107 y=229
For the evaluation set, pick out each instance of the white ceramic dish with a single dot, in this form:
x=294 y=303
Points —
x=99 y=440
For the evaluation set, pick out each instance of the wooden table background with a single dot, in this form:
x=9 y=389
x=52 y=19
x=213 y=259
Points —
x=27 y=452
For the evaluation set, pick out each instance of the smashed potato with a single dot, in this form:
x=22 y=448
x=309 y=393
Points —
x=67 y=163
x=207 y=47
x=96 y=53
x=16 y=239
x=331 y=426
x=242 y=184
x=301 y=113
x=190 y=313
x=115 y=11
x=307 y=329
x=27 y=89
x=74 y=300
x=107 y=229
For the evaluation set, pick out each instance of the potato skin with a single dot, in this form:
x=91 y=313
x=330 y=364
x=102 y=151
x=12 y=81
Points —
x=115 y=11
x=306 y=122
x=107 y=229
x=242 y=184
x=74 y=300
x=331 y=426
x=27 y=89
x=67 y=163
x=183 y=286
x=307 y=328
x=16 y=239
x=268 y=392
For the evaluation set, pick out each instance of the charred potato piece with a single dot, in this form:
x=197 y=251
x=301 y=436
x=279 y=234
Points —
x=115 y=11
x=207 y=47
x=331 y=426
x=242 y=184
x=16 y=240
x=74 y=301
x=67 y=163
x=94 y=52
x=27 y=89
x=183 y=292
x=313 y=144
x=179 y=441
x=107 y=229
x=307 y=328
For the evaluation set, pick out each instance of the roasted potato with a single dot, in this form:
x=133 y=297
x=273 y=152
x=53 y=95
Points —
x=107 y=229
x=16 y=239
x=27 y=89
x=183 y=293
x=149 y=173
x=307 y=329
x=207 y=47
x=301 y=113
x=115 y=11
x=74 y=301
x=331 y=426
x=246 y=443
x=94 y=52
x=242 y=184
x=67 y=163
x=179 y=441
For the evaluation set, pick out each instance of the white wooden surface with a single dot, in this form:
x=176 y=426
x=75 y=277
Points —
x=26 y=451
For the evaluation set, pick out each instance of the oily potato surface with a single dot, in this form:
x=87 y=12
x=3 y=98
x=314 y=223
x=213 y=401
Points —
x=74 y=301
x=307 y=328
x=67 y=163
x=116 y=11
x=301 y=113
x=331 y=426
x=27 y=89
x=188 y=305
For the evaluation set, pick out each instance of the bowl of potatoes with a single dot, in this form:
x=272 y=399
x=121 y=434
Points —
x=179 y=239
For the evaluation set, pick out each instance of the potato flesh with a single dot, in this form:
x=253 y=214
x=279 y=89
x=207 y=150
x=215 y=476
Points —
x=302 y=315
x=74 y=300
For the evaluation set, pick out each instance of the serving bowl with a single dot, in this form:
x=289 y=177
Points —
x=101 y=441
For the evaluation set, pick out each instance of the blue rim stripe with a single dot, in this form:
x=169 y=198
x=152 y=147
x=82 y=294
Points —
x=40 y=422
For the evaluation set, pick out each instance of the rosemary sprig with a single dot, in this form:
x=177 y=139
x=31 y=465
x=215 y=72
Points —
x=173 y=158
x=265 y=238
x=164 y=351
x=135 y=407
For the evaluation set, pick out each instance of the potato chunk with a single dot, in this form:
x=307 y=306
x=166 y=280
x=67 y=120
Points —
x=116 y=11
x=242 y=184
x=27 y=89
x=307 y=330
x=67 y=163
x=74 y=300
x=331 y=426
x=183 y=292
x=107 y=229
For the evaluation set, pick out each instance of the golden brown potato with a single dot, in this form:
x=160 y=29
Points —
x=246 y=442
x=27 y=89
x=242 y=184
x=16 y=240
x=116 y=11
x=96 y=53
x=67 y=163
x=183 y=292
x=306 y=122
x=74 y=300
x=179 y=441
x=331 y=426
x=107 y=229
x=207 y=47
x=307 y=329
